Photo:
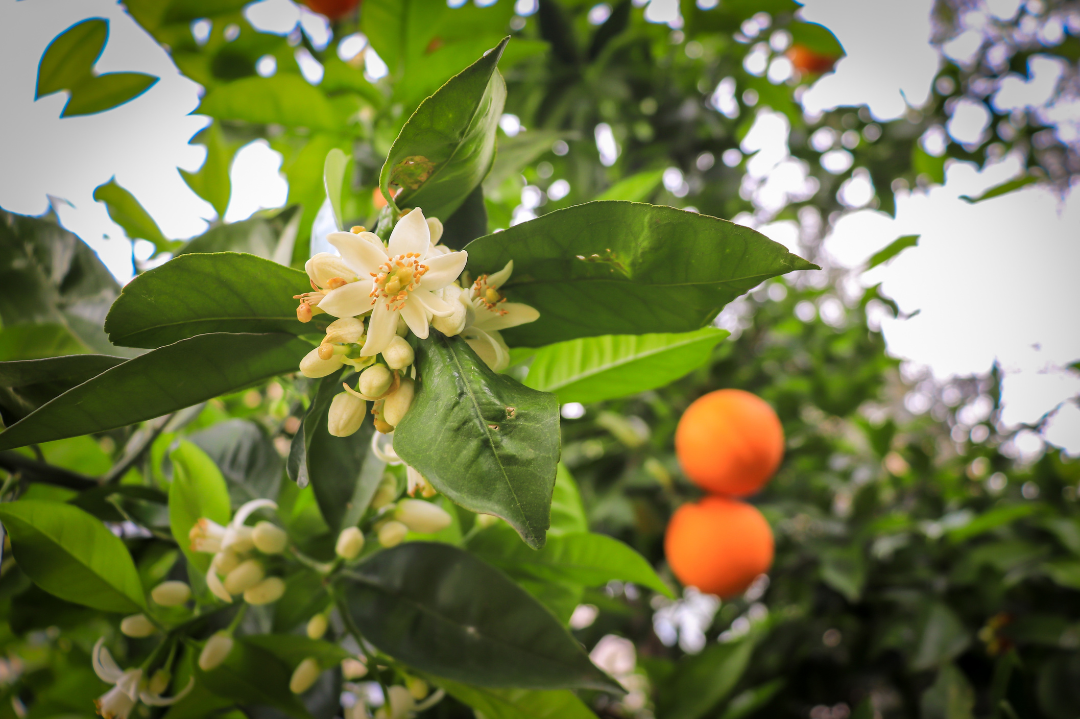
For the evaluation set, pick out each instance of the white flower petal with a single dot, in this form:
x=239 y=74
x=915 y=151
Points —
x=156 y=700
x=248 y=508
x=436 y=229
x=432 y=303
x=349 y=301
x=415 y=316
x=516 y=314
x=129 y=683
x=214 y=583
x=489 y=347
x=498 y=279
x=411 y=234
x=443 y=270
x=104 y=666
x=360 y=254
x=383 y=447
x=381 y=330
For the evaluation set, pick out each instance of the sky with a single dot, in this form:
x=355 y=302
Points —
x=988 y=282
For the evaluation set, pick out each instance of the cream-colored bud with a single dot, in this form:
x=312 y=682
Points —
x=486 y=520
x=267 y=591
x=353 y=669
x=346 y=415
x=345 y=331
x=401 y=702
x=398 y=354
x=386 y=493
x=246 y=575
x=423 y=517
x=392 y=533
x=349 y=543
x=375 y=380
x=171 y=593
x=418 y=688
x=239 y=540
x=435 y=228
x=137 y=625
x=314 y=366
x=454 y=323
x=159 y=682
x=215 y=651
x=269 y=538
x=396 y=405
x=305 y=675
x=324 y=267
x=317 y=626
x=225 y=562
x=402 y=327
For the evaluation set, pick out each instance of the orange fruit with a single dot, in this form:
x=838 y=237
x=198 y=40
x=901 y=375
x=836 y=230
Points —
x=809 y=62
x=333 y=9
x=729 y=442
x=718 y=545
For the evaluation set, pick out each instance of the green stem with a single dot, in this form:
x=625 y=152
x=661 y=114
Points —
x=354 y=631
x=237 y=619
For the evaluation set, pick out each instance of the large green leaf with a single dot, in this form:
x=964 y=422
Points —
x=126 y=211
x=70 y=554
x=567 y=511
x=99 y=93
x=518 y=703
x=283 y=99
x=419 y=603
x=252 y=675
x=626 y=268
x=201 y=293
x=270 y=235
x=342 y=470
x=212 y=181
x=198 y=490
x=25 y=385
x=334 y=180
x=593 y=369
x=636 y=188
x=942 y=637
x=165 y=380
x=482 y=439
x=702 y=680
x=446 y=148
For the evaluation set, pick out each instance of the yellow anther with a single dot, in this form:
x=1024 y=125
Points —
x=303 y=312
x=357 y=229
x=326 y=351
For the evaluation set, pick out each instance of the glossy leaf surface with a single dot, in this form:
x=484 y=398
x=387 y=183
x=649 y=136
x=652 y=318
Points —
x=25 y=385
x=197 y=491
x=283 y=99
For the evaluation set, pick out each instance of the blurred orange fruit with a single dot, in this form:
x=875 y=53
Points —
x=809 y=62
x=729 y=442
x=718 y=545
x=333 y=9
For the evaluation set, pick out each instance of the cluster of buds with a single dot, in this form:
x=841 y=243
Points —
x=410 y=515
x=237 y=567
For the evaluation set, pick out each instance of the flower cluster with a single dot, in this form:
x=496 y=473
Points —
x=130 y=686
x=237 y=567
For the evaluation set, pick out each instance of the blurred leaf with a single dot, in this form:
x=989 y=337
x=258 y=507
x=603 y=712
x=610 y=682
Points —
x=1058 y=686
x=702 y=680
x=448 y=145
x=1002 y=189
x=467 y=223
x=159 y=382
x=482 y=439
x=211 y=182
x=71 y=55
x=31 y=342
x=197 y=491
x=27 y=384
x=636 y=188
x=515 y=153
x=304 y=596
x=567 y=512
x=942 y=637
x=625 y=268
x=246 y=456
x=71 y=554
x=126 y=211
x=203 y=293
x=611 y=28
x=594 y=369
x=252 y=675
x=950 y=697
x=282 y=99
x=418 y=603
x=995 y=518
x=816 y=38
x=292 y=649
x=102 y=502
x=893 y=249
x=333 y=179
x=844 y=569
x=747 y=702
x=270 y=236
x=304 y=170
x=517 y=703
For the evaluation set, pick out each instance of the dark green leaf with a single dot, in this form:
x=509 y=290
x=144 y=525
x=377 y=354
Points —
x=165 y=380
x=950 y=697
x=126 y=211
x=942 y=637
x=518 y=703
x=71 y=554
x=567 y=512
x=817 y=38
x=893 y=249
x=480 y=438
x=447 y=147
x=626 y=268
x=197 y=294
x=25 y=385
x=99 y=93
x=270 y=236
x=105 y=502
x=1002 y=189
x=844 y=569
x=246 y=456
x=747 y=702
x=594 y=369
x=198 y=490
x=636 y=188
x=71 y=55
x=292 y=649
x=467 y=223
x=304 y=596
x=252 y=675
x=418 y=602
x=283 y=99
x=31 y=342
x=702 y=680
x=212 y=182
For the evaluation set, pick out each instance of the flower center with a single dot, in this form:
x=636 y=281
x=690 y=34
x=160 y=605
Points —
x=488 y=295
x=396 y=278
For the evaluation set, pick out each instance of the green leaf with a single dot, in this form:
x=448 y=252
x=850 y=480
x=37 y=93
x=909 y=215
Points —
x=467 y=223
x=99 y=93
x=270 y=235
x=448 y=145
x=126 y=211
x=515 y=153
x=342 y=470
x=201 y=293
x=844 y=569
x=517 y=703
x=71 y=55
x=418 y=603
x=480 y=438
x=159 y=382
x=25 y=385
x=246 y=455
x=567 y=511
x=817 y=38
x=701 y=681
x=942 y=637
x=747 y=702
x=304 y=170
x=31 y=342
x=950 y=696
x=198 y=490
x=252 y=675
x=72 y=555
x=283 y=99
x=333 y=179
x=626 y=268
x=1003 y=189
x=292 y=649
x=593 y=369
x=893 y=249
x=636 y=188
x=212 y=182
x=304 y=596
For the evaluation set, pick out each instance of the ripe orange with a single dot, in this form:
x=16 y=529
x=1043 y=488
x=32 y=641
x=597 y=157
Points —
x=809 y=62
x=333 y=9
x=718 y=545
x=729 y=442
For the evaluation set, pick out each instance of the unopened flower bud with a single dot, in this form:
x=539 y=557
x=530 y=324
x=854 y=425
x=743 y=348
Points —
x=269 y=538
x=346 y=415
x=396 y=405
x=304 y=676
x=324 y=266
x=225 y=562
x=346 y=330
x=246 y=575
x=402 y=327
x=267 y=591
x=137 y=625
x=159 y=682
x=171 y=593
x=317 y=626
x=386 y=493
x=303 y=312
x=454 y=323
x=375 y=380
x=435 y=228
x=418 y=688
x=423 y=517
x=392 y=533
x=353 y=669
x=240 y=540
x=314 y=366
x=215 y=651
x=398 y=354
x=349 y=543
x=401 y=702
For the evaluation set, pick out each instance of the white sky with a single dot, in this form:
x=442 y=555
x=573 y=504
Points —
x=990 y=281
